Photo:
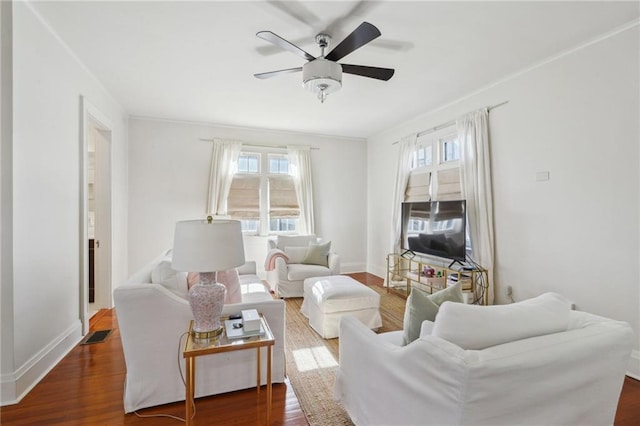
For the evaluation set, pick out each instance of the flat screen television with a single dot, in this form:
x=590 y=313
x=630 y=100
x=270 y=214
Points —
x=436 y=228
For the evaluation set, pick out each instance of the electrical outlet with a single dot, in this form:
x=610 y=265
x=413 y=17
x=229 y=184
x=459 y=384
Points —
x=509 y=290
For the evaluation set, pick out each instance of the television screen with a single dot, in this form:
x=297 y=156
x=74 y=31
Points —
x=436 y=228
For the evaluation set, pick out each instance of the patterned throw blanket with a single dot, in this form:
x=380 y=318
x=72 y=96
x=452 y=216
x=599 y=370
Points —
x=270 y=261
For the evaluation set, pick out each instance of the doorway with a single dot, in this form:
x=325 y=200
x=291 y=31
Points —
x=98 y=217
x=95 y=214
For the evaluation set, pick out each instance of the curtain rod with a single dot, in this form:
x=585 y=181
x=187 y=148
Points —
x=258 y=145
x=449 y=123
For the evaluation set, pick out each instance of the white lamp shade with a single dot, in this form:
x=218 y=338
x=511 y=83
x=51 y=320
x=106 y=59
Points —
x=199 y=246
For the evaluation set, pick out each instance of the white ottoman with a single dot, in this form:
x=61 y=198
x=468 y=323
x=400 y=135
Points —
x=327 y=299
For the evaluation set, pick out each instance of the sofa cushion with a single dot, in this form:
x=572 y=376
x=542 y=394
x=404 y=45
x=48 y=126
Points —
x=255 y=291
x=479 y=327
x=317 y=254
x=172 y=280
x=422 y=306
x=300 y=272
x=294 y=240
x=296 y=254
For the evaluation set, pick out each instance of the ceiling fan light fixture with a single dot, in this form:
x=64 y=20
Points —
x=322 y=77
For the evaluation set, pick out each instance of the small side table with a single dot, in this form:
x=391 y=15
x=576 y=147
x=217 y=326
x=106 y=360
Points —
x=194 y=348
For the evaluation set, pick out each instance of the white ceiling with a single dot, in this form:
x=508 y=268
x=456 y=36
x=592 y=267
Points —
x=195 y=61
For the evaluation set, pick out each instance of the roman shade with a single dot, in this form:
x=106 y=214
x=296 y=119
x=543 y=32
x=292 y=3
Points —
x=418 y=187
x=448 y=185
x=283 y=202
x=244 y=197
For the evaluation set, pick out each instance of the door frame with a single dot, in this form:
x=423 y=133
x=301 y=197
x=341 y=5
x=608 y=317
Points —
x=91 y=116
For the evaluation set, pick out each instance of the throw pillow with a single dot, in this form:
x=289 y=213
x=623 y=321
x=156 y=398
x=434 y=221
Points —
x=169 y=278
x=231 y=281
x=317 y=254
x=479 y=327
x=423 y=306
x=296 y=254
x=193 y=278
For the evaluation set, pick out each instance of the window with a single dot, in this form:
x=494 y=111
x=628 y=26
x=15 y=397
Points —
x=423 y=156
x=249 y=163
x=262 y=194
x=278 y=164
x=435 y=168
x=450 y=149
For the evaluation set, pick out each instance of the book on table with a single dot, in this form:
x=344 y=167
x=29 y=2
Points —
x=238 y=332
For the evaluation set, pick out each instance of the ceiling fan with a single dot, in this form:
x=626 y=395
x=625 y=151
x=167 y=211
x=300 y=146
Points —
x=323 y=75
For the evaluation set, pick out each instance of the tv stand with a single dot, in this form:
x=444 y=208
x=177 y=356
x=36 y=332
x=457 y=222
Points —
x=454 y=261
x=406 y=252
x=404 y=273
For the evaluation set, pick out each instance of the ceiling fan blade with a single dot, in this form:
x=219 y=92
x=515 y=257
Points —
x=359 y=9
x=265 y=75
x=371 y=72
x=297 y=11
x=286 y=45
x=358 y=38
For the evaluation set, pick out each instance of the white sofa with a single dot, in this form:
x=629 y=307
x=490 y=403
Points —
x=572 y=377
x=287 y=278
x=152 y=322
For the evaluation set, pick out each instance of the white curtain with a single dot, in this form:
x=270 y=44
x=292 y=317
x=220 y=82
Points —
x=403 y=170
x=475 y=171
x=224 y=158
x=300 y=161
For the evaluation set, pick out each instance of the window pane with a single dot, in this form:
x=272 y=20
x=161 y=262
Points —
x=242 y=164
x=273 y=165
x=450 y=150
x=283 y=225
x=422 y=157
x=278 y=165
x=248 y=163
x=249 y=225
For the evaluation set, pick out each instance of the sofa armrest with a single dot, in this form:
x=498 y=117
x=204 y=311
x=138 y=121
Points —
x=281 y=269
x=398 y=374
x=334 y=263
x=249 y=268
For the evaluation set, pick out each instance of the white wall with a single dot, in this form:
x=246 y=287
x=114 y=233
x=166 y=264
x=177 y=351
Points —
x=577 y=117
x=168 y=181
x=47 y=84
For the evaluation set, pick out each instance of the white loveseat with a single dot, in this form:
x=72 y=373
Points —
x=570 y=377
x=152 y=322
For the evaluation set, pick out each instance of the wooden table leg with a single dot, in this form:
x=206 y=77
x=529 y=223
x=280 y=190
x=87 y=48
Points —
x=269 y=356
x=259 y=371
x=190 y=373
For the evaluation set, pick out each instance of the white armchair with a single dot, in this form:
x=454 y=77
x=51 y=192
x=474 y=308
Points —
x=286 y=278
x=572 y=377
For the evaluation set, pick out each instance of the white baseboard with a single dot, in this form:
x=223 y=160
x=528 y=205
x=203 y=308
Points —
x=634 y=365
x=18 y=384
x=353 y=267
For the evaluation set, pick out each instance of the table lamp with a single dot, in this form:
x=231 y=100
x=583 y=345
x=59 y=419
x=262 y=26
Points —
x=207 y=246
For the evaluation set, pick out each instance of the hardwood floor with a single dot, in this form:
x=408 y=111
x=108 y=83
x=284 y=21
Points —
x=86 y=388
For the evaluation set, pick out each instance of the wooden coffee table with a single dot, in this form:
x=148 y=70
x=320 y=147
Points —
x=194 y=348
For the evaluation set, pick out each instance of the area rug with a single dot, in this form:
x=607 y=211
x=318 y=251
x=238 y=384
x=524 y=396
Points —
x=312 y=361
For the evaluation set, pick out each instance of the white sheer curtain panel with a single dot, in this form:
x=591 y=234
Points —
x=475 y=171
x=300 y=161
x=224 y=159
x=403 y=170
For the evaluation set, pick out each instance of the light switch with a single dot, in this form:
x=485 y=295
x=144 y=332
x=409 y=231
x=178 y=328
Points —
x=542 y=176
